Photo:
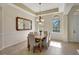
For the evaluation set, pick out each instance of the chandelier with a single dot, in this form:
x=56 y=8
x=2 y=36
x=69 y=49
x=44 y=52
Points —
x=40 y=19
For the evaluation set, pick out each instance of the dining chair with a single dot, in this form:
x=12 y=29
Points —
x=35 y=33
x=49 y=38
x=33 y=43
x=46 y=40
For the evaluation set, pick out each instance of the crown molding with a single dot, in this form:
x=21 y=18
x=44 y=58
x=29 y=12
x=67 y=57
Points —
x=47 y=11
x=36 y=13
x=25 y=9
x=18 y=7
x=53 y=13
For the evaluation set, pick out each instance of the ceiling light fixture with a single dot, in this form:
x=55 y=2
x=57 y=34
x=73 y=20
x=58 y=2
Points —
x=40 y=19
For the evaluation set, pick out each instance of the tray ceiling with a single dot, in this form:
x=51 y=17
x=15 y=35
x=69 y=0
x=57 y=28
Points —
x=44 y=6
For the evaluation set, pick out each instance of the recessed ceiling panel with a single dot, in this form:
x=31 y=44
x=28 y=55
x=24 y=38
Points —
x=43 y=7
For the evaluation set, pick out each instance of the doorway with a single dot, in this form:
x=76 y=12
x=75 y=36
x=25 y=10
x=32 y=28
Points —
x=76 y=28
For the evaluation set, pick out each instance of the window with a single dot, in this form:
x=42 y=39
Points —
x=56 y=25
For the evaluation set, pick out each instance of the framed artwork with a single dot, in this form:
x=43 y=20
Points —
x=23 y=24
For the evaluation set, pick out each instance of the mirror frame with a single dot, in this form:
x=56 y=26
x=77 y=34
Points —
x=26 y=24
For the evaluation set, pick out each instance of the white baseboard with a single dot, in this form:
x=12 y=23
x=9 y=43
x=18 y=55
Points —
x=14 y=44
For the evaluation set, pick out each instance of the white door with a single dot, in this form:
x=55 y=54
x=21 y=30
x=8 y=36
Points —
x=76 y=28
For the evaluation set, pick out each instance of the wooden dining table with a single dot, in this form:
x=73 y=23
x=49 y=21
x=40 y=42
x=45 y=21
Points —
x=38 y=42
x=40 y=38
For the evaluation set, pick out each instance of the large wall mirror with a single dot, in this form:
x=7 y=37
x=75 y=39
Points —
x=23 y=24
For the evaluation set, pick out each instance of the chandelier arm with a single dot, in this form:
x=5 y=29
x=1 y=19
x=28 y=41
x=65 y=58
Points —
x=40 y=12
x=40 y=17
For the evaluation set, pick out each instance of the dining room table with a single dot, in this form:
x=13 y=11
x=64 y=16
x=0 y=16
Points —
x=40 y=38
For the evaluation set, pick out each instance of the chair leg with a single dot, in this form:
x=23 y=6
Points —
x=28 y=47
x=40 y=50
x=33 y=49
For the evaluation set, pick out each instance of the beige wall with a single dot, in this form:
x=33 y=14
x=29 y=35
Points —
x=0 y=28
x=10 y=35
x=47 y=26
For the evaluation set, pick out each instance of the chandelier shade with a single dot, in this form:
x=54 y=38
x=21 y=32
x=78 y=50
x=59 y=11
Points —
x=40 y=19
